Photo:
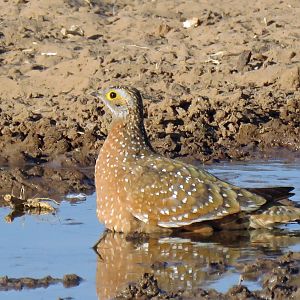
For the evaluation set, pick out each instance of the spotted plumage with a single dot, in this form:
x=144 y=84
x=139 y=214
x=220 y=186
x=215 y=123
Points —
x=140 y=190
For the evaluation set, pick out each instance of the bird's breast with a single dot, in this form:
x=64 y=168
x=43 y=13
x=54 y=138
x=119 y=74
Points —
x=111 y=167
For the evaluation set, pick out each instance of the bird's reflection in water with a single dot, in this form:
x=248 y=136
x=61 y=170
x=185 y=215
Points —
x=180 y=262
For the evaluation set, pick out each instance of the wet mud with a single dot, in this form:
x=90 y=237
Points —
x=147 y=288
x=226 y=89
x=68 y=280
x=38 y=189
x=45 y=181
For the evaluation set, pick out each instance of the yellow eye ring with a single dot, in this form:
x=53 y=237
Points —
x=112 y=95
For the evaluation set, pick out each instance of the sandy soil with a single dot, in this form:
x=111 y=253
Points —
x=224 y=89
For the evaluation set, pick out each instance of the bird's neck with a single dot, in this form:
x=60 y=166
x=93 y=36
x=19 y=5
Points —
x=127 y=136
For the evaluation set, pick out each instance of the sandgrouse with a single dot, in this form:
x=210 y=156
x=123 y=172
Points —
x=139 y=190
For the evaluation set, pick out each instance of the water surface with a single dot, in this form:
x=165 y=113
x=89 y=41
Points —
x=36 y=246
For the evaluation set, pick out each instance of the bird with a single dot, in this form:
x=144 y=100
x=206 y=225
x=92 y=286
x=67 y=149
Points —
x=140 y=190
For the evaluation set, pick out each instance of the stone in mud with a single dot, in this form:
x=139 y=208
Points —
x=240 y=292
x=70 y=280
x=163 y=29
x=290 y=79
x=243 y=60
x=246 y=133
x=146 y=288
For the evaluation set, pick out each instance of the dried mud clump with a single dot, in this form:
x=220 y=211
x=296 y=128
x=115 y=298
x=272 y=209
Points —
x=7 y=284
x=146 y=288
x=225 y=89
x=279 y=277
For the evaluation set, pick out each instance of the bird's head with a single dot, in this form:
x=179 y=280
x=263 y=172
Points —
x=122 y=101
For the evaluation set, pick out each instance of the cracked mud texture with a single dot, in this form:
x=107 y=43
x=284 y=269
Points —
x=227 y=89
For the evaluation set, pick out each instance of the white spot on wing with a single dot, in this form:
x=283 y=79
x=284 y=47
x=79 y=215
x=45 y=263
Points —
x=141 y=216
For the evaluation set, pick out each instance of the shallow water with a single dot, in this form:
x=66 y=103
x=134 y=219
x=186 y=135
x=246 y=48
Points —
x=36 y=246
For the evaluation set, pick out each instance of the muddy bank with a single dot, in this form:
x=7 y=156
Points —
x=36 y=189
x=225 y=89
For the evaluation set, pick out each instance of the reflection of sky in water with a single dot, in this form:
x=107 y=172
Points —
x=36 y=246
x=50 y=245
x=264 y=174
x=223 y=284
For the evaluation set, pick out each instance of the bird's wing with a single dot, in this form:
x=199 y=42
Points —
x=170 y=193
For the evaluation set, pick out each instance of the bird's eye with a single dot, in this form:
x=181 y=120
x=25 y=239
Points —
x=112 y=95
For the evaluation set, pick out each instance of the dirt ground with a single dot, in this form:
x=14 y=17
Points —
x=226 y=89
